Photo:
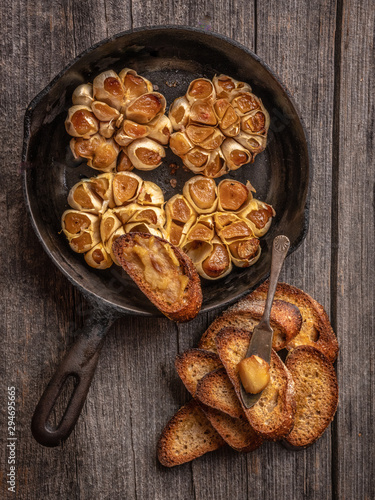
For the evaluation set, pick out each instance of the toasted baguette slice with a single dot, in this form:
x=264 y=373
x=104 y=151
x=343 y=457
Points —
x=216 y=391
x=194 y=364
x=186 y=436
x=236 y=432
x=273 y=415
x=316 y=395
x=316 y=329
x=285 y=320
x=164 y=273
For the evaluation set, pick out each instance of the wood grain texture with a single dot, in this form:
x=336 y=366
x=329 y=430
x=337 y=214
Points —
x=323 y=52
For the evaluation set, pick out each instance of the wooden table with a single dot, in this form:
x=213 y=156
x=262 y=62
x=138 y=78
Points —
x=324 y=53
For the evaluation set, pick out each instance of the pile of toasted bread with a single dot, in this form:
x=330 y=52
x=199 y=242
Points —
x=297 y=405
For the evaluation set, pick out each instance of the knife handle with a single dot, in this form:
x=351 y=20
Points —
x=280 y=249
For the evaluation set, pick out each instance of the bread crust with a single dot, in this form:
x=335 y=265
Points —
x=286 y=321
x=273 y=415
x=188 y=427
x=192 y=300
x=194 y=364
x=321 y=386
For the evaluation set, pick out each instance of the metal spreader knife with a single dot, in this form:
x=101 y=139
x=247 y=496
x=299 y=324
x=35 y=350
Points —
x=261 y=339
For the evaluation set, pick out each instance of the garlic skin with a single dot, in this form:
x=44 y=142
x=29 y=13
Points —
x=180 y=144
x=153 y=217
x=108 y=225
x=216 y=165
x=81 y=122
x=98 y=258
x=125 y=213
x=108 y=244
x=104 y=112
x=102 y=187
x=104 y=156
x=235 y=154
x=228 y=88
x=81 y=230
x=82 y=197
x=145 y=154
x=180 y=216
x=196 y=159
x=83 y=95
x=201 y=193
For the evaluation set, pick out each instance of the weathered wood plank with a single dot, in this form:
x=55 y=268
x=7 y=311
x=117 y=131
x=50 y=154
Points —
x=355 y=262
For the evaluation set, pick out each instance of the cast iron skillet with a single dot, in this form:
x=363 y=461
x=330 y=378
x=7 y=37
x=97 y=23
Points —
x=170 y=57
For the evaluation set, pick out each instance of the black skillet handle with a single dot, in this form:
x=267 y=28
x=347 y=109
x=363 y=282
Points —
x=80 y=362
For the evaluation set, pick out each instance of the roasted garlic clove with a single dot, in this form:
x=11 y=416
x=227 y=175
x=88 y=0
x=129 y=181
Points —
x=222 y=219
x=85 y=148
x=146 y=108
x=161 y=130
x=152 y=216
x=145 y=154
x=180 y=143
x=74 y=222
x=217 y=263
x=214 y=141
x=123 y=162
x=81 y=230
x=201 y=193
x=198 y=241
x=246 y=252
x=108 y=88
x=104 y=112
x=255 y=122
x=142 y=227
x=196 y=159
x=108 y=225
x=179 y=113
x=216 y=166
x=126 y=187
x=203 y=113
x=81 y=122
x=150 y=194
x=197 y=134
x=98 y=258
x=235 y=154
x=236 y=230
x=102 y=187
x=83 y=95
x=201 y=89
x=134 y=84
x=233 y=196
x=82 y=197
x=130 y=131
x=245 y=102
x=105 y=156
x=254 y=143
x=229 y=122
x=125 y=213
x=259 y=215
x=180 y=216
x=227 y=87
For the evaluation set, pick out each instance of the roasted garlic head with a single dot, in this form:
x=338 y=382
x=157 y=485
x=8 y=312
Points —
x=219 y=126
x=118 y=123
x=217 y=226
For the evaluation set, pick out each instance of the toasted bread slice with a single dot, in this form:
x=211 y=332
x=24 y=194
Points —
x=236 y=432
x=192 y=366
x=285 y=320
x=316 y=329
x=216 y=391
x=273 y=415
x=164 y=273
x=188 y=435
x=316 y=395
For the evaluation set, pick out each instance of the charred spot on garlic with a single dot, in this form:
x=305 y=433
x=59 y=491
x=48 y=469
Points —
x=218 y=125
x=113 y=112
